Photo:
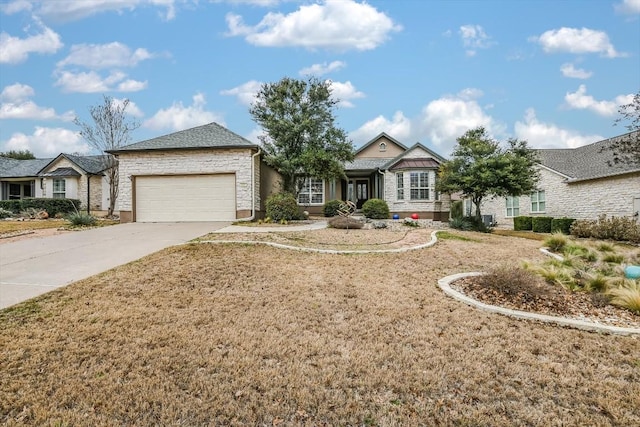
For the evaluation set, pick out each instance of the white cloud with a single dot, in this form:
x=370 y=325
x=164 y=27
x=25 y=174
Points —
x=568 y=70
x=14 y=50
x=579 y=100
x=178 y=117
x=345 y=92
x=46 y=142
x=72 y=10
x=264 y=3
x=15 y=6
x=398 y=127
x=577 y=40
x=132 y=108
x=628 y=7
x=17 y=105
x=246 y=92
x=335 y=24
x=321 y=69
x=92 y=82
x=474 y=38
x=445 y=119
x=255 y=134
x=110 y=55
x=546 y=135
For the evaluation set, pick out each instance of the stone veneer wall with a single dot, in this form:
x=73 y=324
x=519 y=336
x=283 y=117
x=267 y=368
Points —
x=76 y=187
x=185 y=162
x=580 y=200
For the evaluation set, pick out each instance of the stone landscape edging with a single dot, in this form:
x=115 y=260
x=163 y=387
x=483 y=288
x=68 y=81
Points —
x=445 y=285
x=433 y=241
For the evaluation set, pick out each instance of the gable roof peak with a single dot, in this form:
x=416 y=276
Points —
x=377 y=138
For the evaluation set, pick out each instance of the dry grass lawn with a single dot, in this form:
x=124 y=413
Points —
x=233 y=334
x=7 y=226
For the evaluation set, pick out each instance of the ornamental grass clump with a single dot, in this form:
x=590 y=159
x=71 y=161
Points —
x=626 y=295
x=556 y=242
x=81 y=219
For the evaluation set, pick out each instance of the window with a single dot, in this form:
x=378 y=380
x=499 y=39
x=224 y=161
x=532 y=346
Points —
x=400 y=185
x=513 y=206
x=538 y=201
x=58 y=189
x=312 y=192
x=419 y=182
x=383 y=146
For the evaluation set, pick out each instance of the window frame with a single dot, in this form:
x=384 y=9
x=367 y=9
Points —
x=400 y=185
x=307 y=188
x=538 y=201
x=56 y=192
x=423 y=185
x=513 y=206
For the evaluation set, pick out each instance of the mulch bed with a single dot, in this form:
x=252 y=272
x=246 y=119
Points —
x=552 y=301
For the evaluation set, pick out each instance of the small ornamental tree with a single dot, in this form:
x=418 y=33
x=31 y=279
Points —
x=626 y=148
x=301 y=137
x=480 y=167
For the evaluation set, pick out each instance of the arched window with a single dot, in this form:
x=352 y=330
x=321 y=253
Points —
x=383 y=146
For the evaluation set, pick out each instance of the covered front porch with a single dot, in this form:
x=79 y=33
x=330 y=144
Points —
x=16 y=189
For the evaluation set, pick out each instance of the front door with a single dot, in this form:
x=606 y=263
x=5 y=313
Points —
x=362 y=192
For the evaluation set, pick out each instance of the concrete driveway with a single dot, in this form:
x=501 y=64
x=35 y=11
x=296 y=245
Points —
x=32 y=267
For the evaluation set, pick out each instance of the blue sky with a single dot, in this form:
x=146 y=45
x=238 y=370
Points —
x=550 y=72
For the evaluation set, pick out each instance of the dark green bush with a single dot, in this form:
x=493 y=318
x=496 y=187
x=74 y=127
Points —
x=80 y=219
x=562 y=225
x=456 y=209
x=5 y=213
x=282 y=206
x=331 y=208
x=522 y=223
x=52 y=206
x=460 y=224
x=469 y=223
x=541 y=224
x=614 y=228
x=375 y=209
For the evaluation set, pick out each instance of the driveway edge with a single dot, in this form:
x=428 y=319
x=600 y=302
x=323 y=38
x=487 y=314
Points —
x=445 y=282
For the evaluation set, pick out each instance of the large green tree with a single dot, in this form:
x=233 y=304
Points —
x=626 y=149
x=110 y=128
x=301 y=136
x=480 y=167
x=19 y=154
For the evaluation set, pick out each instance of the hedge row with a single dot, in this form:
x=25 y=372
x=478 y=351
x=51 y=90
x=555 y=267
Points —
x=52 y=206
x=542 y=224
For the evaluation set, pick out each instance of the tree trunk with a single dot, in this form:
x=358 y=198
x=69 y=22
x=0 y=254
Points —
x=477 y=202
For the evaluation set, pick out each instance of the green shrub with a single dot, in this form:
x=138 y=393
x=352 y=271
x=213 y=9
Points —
x=375 y=209
x=614 y=228
x=80 y=219
x=562 y=225
x=541 y=224
x=460 y=224
x=282 y=206
x=456 y=209
x=5 y=213
x=52 y=206
x=331 y=208
x=522 y=223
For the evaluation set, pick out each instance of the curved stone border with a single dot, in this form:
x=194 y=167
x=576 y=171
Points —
x=445 y=282
x=547 y=252
x=433 y=241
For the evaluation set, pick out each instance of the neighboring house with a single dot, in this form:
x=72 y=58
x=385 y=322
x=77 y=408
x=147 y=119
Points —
x=580 y=183
x=65 y=176
x=206 y=173
x=384 y=168
x=209 y=173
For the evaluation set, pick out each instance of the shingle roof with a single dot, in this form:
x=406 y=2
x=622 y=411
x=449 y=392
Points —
x=587 y=162
x=415 y=164
x=365 y=164
x=13 y=168
x=62 y=172
x=211 y=135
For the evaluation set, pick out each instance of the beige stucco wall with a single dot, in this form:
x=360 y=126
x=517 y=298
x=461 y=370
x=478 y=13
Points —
x=373 y=150
x=184 y=162
x=579 y=200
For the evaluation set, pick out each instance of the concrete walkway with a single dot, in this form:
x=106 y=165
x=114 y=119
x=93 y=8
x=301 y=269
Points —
x=32 y=267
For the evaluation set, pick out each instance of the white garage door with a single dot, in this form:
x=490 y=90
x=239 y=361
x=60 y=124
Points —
x=185 y=198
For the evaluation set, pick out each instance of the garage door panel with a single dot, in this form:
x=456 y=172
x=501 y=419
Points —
x=185 y=198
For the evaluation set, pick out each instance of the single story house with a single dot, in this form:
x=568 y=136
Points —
x=580 y=183
x=64 y=176
x=209 y=173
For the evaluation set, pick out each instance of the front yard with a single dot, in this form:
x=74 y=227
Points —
x=236 y=334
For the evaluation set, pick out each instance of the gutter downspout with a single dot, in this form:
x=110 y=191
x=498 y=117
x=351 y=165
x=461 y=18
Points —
x=88 y=193
x=253 y=189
